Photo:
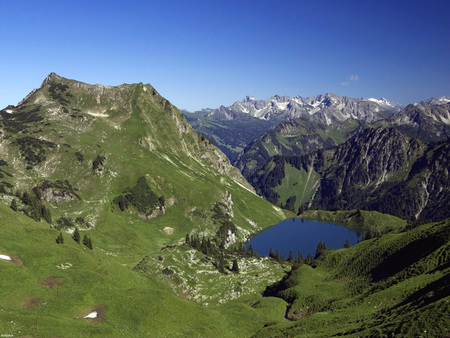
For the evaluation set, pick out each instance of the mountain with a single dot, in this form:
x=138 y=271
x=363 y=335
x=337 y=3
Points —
x=233 y=128
x=378 y=169
x=437 y=100
x=391 y=107
x=96 y=179
x=294 y=137
x=298 y=137
x=427 y=121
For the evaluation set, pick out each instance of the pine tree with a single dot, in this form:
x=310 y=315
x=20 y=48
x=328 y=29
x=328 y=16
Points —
x=271 y=253
x=46 y=214
x=235 y=267
x=26 y=198
x=221 y=264
x=14 y=204
x=188 y=240
x=291 y=256
x=203 y=247
x=89 y=245
x=300 y=210
x=162 y=201
x=277 y=256
x=300 y=258
x=87 y=241
x=60 y=238
x=347 y=244
x=209 y=246
x=321 y=247
x=250 y=250
x=76 y=236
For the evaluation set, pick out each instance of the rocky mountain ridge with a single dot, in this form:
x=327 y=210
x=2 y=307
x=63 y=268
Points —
x=427 y=121
x=436 y=100
x=377 y=169
x=327 y=108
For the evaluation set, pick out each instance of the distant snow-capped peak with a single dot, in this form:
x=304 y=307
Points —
x=437 y=100
x=391 y=107
x=249 y=98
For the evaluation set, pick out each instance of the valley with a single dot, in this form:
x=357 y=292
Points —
x=119 y=219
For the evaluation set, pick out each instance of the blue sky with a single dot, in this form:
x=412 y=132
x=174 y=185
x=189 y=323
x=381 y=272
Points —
x=201 y=54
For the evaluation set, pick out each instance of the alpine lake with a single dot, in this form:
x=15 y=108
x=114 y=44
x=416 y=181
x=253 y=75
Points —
x=300 y=235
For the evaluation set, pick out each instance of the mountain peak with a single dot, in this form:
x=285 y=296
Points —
x=437 y=101
x=249 y=98
x=50 y=77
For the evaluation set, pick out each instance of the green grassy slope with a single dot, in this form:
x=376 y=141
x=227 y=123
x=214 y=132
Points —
x=50 y=143
x=395 y=284
x=49 y=288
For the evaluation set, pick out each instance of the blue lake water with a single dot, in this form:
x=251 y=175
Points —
x=302 y=235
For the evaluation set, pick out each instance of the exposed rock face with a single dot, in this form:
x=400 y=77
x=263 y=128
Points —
x=51 y=195
x=428 y=122
x=380 y=169
x=372 y=156
x=235 y=127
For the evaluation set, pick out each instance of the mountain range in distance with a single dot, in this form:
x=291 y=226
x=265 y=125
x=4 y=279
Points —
x=233 y=128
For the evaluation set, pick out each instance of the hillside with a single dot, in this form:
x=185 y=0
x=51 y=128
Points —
x=121 y=165
x=397 y=284
x=426 y=121
x=297 y=137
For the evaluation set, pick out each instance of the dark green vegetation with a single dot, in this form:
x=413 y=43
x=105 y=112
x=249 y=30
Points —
x=377 y=169
x=141 y=196
x=132 y=215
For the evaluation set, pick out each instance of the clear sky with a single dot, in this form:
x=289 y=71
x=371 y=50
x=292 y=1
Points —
x=200 y=54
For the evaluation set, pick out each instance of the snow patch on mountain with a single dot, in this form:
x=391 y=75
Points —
x=327 y=108
x=391 y=107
